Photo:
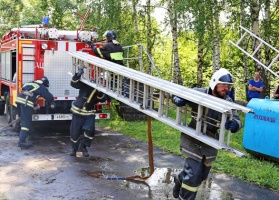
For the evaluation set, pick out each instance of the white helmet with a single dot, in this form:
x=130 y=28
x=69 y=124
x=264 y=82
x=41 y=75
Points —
x=221 y=76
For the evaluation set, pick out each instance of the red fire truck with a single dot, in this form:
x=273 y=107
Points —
x=30 y=52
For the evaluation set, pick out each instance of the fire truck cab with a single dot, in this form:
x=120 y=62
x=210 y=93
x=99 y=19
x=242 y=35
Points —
x=30 y=52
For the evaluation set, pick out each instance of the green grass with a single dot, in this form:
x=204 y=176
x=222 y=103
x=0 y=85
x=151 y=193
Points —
x=250 y=168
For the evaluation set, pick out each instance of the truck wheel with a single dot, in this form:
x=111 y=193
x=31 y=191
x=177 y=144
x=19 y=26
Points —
x=17 y=126
x=2 y=106
x=8 y=109
x=13 y=111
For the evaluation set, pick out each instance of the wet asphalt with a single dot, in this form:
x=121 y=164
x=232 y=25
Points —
x=47 y=172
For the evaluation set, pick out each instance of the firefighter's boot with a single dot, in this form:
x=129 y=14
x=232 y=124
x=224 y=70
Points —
x=82 y=148
x=34 y=138
x=25 y=145
x=73 y=152
x=177 y=186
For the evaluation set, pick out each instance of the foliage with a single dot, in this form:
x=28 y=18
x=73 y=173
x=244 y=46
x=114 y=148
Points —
x=10 y=14
x=194 y=25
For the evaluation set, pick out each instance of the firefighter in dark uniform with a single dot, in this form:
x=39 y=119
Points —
x=82 y=129
x=111 y=50
x=25 y=103
x=200 y=155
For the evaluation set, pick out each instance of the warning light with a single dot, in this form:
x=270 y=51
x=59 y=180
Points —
x=45 y=20
x=103 y=116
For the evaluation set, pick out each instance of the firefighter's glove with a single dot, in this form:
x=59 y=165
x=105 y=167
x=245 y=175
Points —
x=232 y=125
x=80 y=71
x=37 y=107
x=52 y=105
x=178 y=101
x=89 y=42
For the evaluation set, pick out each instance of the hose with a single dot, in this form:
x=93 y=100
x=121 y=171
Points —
x=10 y=123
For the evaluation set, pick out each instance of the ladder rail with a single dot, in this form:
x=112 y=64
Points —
x=160 y=84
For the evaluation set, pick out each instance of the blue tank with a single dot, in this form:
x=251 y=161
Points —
x=261 y=130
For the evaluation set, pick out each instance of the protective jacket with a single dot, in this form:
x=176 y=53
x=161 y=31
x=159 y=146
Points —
x=112 y=51
x=31 y=91
x=87 y=98
x=196 y=149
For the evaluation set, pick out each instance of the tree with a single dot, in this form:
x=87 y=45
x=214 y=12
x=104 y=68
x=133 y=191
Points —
x=173 y=23
x=10 y=14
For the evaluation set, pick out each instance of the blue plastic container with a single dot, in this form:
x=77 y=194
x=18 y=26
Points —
x=261 y=129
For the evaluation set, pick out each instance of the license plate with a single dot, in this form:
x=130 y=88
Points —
x=62 y=117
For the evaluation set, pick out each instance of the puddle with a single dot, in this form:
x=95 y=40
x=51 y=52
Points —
x=159 y=185
x=210 y=190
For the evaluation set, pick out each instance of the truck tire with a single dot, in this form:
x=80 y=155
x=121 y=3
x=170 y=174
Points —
x=13 y=111
x=2 y=106
x=8 y=109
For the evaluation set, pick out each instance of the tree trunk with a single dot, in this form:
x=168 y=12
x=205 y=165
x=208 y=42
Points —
x=255 y=29
x=267 y=52
x=173 y=23
x=135 y=19
x=216 y=42
x=245 y=22
x=200 y=64
x=148 y=36
x=215 y=36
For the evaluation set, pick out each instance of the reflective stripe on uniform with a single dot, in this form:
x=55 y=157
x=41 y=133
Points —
x=208 y=164
x=75 y=141
x=190 y=188
x=116 y=56
x=74 y=81
x=23 y=101
x=101 y=97
x=91 y=95
x=80 y=111
x=196 y=155
x=34 y=85
x=24 y=128
x=101 y=55
x=91 y=138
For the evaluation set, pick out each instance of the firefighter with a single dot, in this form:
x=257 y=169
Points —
x=200 y=155
x=82 y=129
x=111 y=50
x=25 y=103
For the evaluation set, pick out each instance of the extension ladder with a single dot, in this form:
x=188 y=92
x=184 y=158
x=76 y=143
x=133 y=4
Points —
x=261 y=44
x=152 y=96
